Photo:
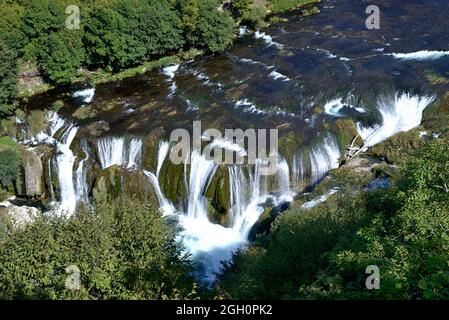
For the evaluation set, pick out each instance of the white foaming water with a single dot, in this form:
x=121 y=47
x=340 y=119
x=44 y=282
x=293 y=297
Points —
x=335 y=106
x=134 y=153
x=243 y=30
x=87 y=95
x=65 y=161
x=170 y=72
x=324 y=157
x=249 y=107
x=114 y=151
x=207 y=242
x=278 y=76
x=166 y=206
x=201 y=171
x=82 y=189
x=313 y=203
x=164 y=147
x=310 y=166
x=268 y=39
x=420 y=55
x=400 y=113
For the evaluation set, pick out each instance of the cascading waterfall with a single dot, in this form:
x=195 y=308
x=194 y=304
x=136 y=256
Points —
x=309 y=166
x=65 y=161
x=114 y=151
x=201 y=171
x=82 y=189
x=209 y=243
x=164 y=147
x=399 y=113
x=324 y=157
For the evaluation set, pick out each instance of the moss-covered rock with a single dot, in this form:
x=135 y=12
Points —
x=396 y=148
x=118 y=183
x=346 y=131
x=218 y=195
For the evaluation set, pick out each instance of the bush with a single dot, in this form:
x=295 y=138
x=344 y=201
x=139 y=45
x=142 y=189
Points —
x=8 y=79
x=104 y=39
x=214 y=31
x=121 y=252
x=10 y=165
x=61 y=56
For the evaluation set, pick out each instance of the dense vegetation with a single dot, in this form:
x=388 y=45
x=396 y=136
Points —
x=122 y=251
x=323 y=252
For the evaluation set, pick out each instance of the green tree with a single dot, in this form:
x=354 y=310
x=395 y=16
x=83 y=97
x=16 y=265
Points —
x=61 y=56
x=122 y=251
x=42 y=17
x=10 y=164
x=8 y=79
x=151 y=29
x=104 y=38
x=241 y=8
x=215 y=29
x=189 y=11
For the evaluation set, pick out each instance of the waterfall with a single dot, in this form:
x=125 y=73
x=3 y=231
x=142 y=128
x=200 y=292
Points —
x=134 y=153
x=399 y=113
x=201 y=171
x=310 y=165
x=164 y=147
x=82 y=188
x=324 y=157
x=114 y=151
x=65 y=161
x=166 y=206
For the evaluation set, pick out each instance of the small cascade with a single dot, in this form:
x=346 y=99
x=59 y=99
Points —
x=65 y=161
x=114 y=151
x=201 y=171
x=420 y=55
x=134 y=153
x=267 y=39
x=399 y=113
x=324 y=157
x=166 y=206
x=164 y=147
x=309 y=166
x=85 y=95
x=170 y=72
x=82 y=188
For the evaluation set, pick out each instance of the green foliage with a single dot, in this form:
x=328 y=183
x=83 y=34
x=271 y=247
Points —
x=104 y=38
x=241 y=8
x=61 y=56
x=8 y=79
x=10 y=165
x=150 y=29
x=42 y=17
x=255 y=16
x=278 y=6
x=122 y=252
x=214 y=31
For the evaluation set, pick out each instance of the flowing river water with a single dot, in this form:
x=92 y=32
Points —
x=298 y=77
